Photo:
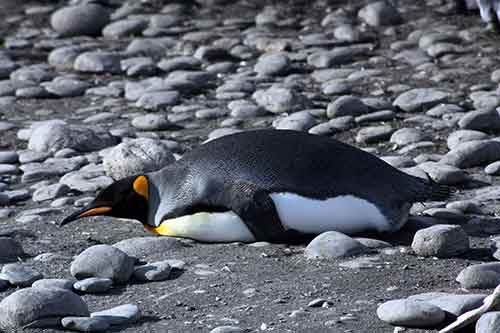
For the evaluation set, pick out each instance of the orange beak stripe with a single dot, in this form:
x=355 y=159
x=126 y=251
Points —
x=95 y=211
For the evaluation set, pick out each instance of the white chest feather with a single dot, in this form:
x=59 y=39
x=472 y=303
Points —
x=346 y=214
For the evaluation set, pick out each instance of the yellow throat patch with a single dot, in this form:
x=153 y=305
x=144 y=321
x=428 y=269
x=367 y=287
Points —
x=141 y=186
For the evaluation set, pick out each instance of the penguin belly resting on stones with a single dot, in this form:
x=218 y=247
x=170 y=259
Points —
x=268 y=185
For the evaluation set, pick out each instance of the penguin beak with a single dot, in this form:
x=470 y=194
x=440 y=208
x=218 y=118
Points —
x=92 y=210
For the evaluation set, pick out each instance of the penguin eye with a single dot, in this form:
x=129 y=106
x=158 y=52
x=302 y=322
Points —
x=141 y=186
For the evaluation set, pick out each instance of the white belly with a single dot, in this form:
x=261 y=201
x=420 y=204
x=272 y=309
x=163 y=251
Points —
x=346 y=214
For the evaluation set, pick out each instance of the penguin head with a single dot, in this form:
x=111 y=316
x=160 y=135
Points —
x=125 y=198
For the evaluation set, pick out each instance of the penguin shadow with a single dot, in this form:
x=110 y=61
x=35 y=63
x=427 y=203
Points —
x=144 y=319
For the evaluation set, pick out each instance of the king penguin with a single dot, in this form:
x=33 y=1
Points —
x=266 y=185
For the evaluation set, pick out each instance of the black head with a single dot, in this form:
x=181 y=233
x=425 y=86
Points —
x=125 y=198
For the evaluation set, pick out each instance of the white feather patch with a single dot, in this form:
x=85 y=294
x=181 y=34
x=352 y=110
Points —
x=346 y=214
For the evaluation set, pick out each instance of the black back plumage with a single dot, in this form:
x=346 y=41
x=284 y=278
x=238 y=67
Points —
x=309 y=165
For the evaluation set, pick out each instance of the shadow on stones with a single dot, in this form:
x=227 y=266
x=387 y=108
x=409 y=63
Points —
x=137 y=324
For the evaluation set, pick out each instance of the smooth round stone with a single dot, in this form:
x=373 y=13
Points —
x=444 y=174
x=64 y=87
x=151 y=122
x=103 y=261
x=379 y=13
x=8 y=169
x=298 y=121
x=227 y=329
x=420 y=99
x=404 y=136
x=19 y=275
x=410 y=313
x=26 y=306
x=333 y=244
x=158 y=100
x=244 y=109
x=98 y=62
x=53 y=283
x=50 y=192
x=93 y=285
x=457 y=137
x=85 y=19
x=493 y=169
x=347 y=106
x=124 y=28
x=488 y=323
x=336 y=88
x=373 y=243
x=54 y=136
x=442 y=241
x=272 y=64
x=64 y=56
x=147 y=247
x=156 y=271
x=451 y=303
x=120 y=315
x=7 y=157
x=473 y=153
x=278 y=99
x=11 y=249
x=374 y=134
x=480 y=276
x=85 y=324
x=480 y=120
x=137 y=156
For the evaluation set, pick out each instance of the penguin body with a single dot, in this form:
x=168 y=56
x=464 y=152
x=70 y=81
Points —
x=278 y=183
x=267 y=185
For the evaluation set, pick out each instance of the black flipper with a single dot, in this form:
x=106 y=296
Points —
x=257 y=210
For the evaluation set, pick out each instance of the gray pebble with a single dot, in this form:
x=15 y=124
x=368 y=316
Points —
x=85 y=324
x=298 y=121
x=119 y=315
x=488 y=323
x=380 y=13
x=152 y=122
x=272 y=64
x=373 y=134
x=442 y=241
x=98 y=62
x=93 y=285
x=277 y=99
x=158 y=100
x=493 y=168
x=444 y=174
x=85 y=19
x=53 y=283
x=405 y=136
x=333 y=244
x=410 y=313
x=156 y=271
x=420 y=98
x=19 y=275
x=481 y=120
x=347 y=106
x=137 y=156
x=8 y=157
x=28 y=305
x=50 y=192
x=480 y=276
x=227 y=329
x=473 y=153
x=451 y=303
x=124 y=28
x=103 y=261
x=457 y=137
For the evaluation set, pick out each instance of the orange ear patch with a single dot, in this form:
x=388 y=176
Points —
x=141 y=186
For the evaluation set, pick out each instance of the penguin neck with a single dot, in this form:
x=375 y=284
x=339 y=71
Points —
x=164 y=191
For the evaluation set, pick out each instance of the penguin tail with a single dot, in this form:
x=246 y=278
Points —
x=429 y=190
